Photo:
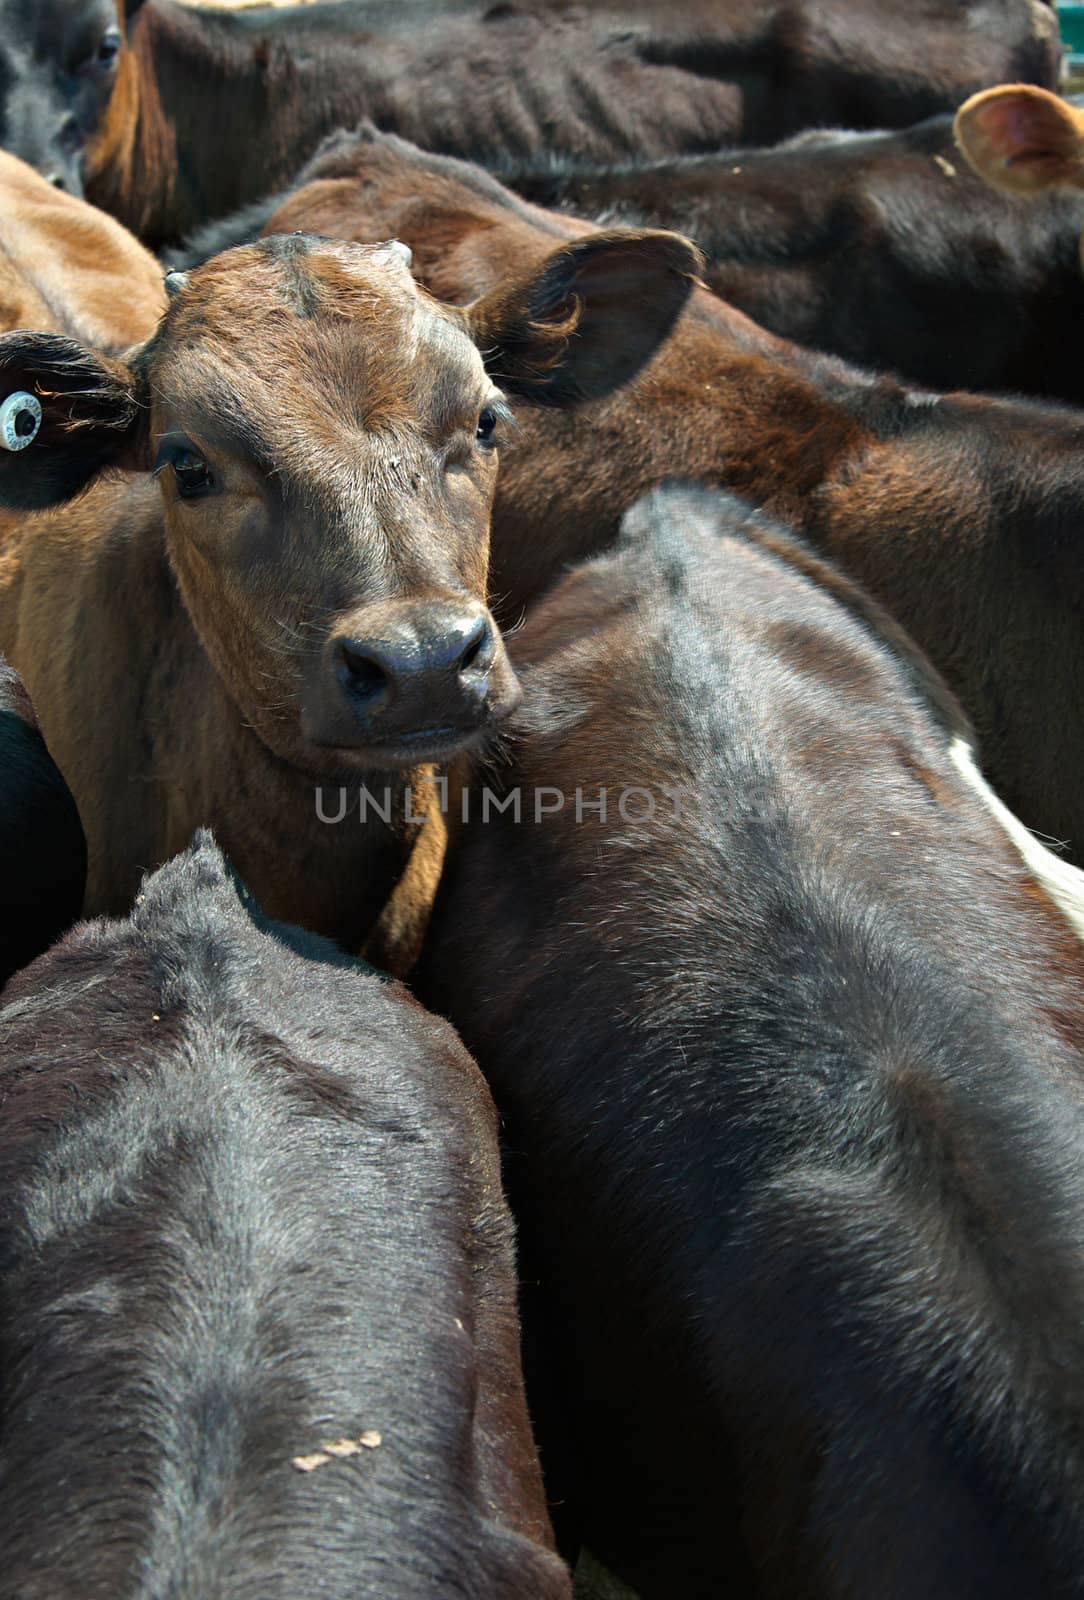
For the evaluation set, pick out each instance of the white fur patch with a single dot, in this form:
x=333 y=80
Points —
x=395 y=252
x=1063 y=882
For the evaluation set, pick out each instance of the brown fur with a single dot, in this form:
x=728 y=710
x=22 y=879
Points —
x=182 y=652
x=208 y=641
x=949 y=509
x=404 y=920
x=71 y=269
x=131 y=161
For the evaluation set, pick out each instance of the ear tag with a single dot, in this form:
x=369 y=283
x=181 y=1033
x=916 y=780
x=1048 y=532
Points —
x=20 y=420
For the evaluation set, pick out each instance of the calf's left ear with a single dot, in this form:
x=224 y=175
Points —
x=66 y=414
x=587 y=318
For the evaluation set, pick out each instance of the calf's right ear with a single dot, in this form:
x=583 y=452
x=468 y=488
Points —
x=92 y=416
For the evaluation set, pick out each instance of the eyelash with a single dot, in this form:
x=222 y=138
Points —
x=188 y=460
x=503 y=423
x=180 y=460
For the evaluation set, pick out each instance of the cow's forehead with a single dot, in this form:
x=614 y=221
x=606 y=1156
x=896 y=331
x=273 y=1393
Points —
x=278 y=286
x=258 y=344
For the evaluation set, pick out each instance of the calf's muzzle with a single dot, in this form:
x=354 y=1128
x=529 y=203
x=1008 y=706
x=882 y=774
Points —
x=407 y=682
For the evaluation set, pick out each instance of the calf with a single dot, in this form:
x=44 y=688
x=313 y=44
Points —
x=884 y=248
x=141 y=98
x=43 y=854
x=790 y=1053
x=288 y=591
x=68 y=268
x=959 y=512
x=258 y=1331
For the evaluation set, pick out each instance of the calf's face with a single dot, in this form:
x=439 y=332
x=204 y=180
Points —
x=59 y=65
x=325 y=438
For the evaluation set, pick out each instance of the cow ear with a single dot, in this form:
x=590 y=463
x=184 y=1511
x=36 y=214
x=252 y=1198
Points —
x=587 y=318
x=66 y=414
x=1021 y=138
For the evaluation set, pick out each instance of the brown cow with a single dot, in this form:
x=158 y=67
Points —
x=961 y=513
x=790 y=1055
x=173 y=115
x=68 y=268
x=290 y=593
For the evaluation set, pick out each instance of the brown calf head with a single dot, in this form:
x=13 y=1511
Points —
x=325 y=439
x=1022 y=139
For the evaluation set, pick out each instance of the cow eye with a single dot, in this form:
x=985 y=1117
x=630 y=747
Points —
x=194 y=476
x=109 y=48
x=487 y=426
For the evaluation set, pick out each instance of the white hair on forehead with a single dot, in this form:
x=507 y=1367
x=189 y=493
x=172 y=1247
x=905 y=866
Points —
x=448 y=339
x=391 y=254
x=395 y=252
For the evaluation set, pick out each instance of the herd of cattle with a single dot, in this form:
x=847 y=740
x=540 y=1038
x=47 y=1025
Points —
x=582 y=503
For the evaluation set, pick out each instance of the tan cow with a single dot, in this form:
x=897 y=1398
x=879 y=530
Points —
x=69 y=268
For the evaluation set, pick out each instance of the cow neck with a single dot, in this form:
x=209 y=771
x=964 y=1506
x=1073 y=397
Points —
x=206 y=766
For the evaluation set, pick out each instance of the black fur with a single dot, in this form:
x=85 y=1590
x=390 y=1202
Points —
x=607 y=81
x=55 y=81
x=883 y=248
x=92 y=409
x=793 y=1092
x=43 y=854
x=248 y=1205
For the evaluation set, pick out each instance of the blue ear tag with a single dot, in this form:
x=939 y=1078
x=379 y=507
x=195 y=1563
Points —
x=20 y=420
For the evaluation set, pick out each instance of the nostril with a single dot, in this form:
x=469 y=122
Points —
x=57 y=180
x=363 y=676
x=478 y=653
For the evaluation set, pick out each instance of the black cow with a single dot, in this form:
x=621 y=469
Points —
x=258 y=1333
x=43 y=854
x=885 y=248
x=790 y=1051
x=181 y=115
x=59 y=66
